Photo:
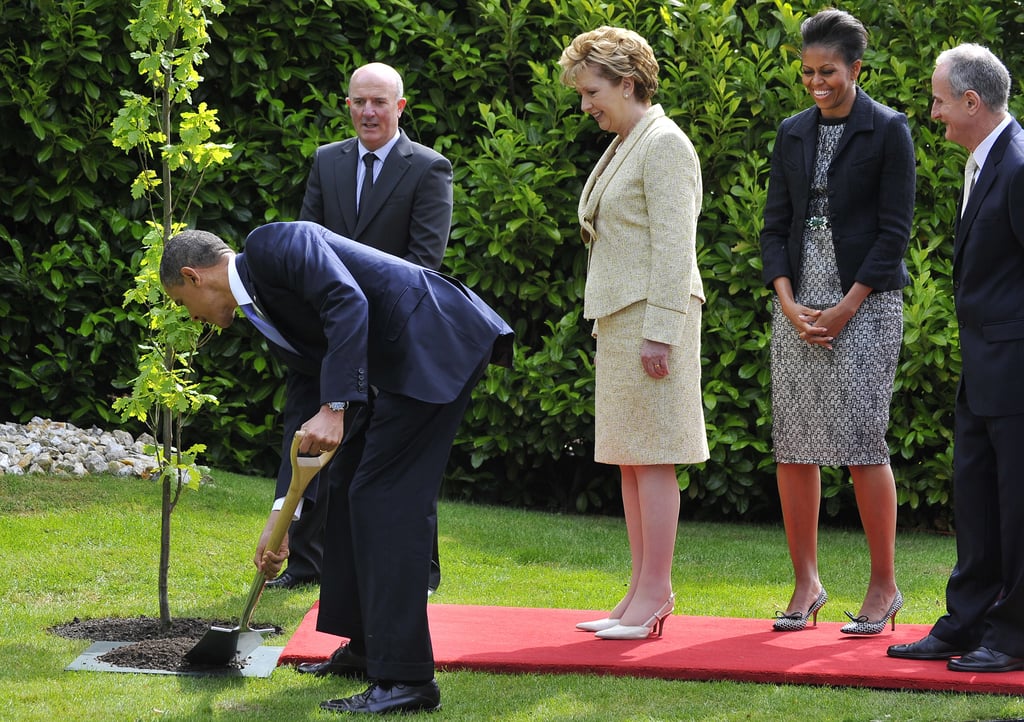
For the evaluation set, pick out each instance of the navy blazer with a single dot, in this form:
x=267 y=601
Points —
x=362 y=317
x=870 y=193
x=988 y=281
x=410 y=212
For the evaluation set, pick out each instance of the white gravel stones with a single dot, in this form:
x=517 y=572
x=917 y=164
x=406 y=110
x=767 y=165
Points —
x=62 y=449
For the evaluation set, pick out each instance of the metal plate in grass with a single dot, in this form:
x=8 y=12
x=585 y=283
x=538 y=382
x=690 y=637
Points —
x=259 y=664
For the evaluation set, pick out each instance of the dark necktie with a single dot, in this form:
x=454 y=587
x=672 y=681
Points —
x=368 y=160
x=266 y=327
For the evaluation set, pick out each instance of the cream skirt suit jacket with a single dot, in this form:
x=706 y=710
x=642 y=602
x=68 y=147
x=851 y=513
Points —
x=638 y=214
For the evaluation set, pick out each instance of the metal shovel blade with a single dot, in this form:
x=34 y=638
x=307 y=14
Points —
x=220 y=646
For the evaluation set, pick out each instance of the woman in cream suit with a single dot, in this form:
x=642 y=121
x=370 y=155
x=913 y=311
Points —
x=639 y=213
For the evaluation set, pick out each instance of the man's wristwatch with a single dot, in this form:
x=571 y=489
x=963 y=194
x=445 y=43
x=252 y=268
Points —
x=337 y=405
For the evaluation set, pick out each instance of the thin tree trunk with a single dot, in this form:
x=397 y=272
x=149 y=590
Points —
x=165 y=521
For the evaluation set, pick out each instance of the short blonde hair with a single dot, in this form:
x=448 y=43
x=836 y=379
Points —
x=615 y=54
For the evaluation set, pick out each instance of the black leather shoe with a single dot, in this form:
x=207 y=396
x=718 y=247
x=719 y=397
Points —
x=343 y=662
x=290 y=581
x=984 y=659
x=382 y=697
x=927 y=648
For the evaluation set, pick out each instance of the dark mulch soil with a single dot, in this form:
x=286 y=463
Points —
x=150 y=647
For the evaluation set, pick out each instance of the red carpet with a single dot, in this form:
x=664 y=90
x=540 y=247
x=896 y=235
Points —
x=512 y=639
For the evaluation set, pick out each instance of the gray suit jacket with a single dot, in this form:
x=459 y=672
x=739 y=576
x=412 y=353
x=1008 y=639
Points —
x=409 y=213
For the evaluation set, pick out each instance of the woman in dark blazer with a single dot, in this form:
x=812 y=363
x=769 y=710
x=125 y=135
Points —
x=836 y=226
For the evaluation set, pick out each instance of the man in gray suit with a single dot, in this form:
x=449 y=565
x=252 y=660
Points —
x=407 y=210
x=385 y=191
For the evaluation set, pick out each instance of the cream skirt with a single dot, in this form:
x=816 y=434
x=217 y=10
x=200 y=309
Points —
x=640 y=420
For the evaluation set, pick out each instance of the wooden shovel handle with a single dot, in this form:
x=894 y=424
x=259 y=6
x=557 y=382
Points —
x=304 y=468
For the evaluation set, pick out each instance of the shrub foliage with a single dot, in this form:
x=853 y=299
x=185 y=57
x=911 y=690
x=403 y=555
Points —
x=481 y=77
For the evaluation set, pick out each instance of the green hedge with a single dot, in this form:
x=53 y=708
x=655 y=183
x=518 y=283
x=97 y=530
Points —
x=481 y=77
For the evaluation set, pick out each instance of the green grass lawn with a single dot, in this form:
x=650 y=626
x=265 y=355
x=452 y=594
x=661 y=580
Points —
x=88 y=548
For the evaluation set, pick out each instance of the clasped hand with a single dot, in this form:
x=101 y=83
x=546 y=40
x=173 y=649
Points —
x=816 y=327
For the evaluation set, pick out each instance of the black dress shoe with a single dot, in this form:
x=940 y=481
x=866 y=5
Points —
x=928 y=648
x=343 y=662
x=984 y=659
x=382 y=697
x=290 y=581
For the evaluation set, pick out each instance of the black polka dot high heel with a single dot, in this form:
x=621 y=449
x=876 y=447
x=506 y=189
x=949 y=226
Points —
x=795 y=621
x=862 y=625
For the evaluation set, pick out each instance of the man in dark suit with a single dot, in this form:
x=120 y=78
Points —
x=983 y=628
x=407 y=212
x=344 y=317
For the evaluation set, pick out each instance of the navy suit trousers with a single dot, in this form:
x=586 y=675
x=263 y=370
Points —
x=985 y=592
x=381 y=521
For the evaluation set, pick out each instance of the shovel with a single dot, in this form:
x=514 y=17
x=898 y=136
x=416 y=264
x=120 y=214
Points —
x=222 y=645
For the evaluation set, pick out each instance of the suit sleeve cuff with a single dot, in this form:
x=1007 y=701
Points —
x=664 y=325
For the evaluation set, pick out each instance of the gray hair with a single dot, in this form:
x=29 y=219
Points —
x=974 y=67
x=195 y=249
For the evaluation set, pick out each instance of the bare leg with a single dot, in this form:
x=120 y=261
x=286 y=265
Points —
x=800 y=496
x=634 y=531
x=875 y=489
x=658 y=504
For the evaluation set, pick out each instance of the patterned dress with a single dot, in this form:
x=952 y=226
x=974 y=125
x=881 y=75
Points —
x=831 y=408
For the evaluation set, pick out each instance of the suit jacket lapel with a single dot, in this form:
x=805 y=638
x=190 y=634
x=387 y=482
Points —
x=395 y=167
x=610 y=162
x=861 y=118
x=242 y=267
x=344 y=179
x=805 y=130
x=590 y=198
x=982 y=186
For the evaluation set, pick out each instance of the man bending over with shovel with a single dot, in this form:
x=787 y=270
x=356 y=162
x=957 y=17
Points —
x=398 y=347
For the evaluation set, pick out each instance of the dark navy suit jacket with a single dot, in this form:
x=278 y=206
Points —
x=362 y=317
x=870 y=194
x=988 y=281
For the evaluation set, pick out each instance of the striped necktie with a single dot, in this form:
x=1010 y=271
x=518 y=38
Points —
x=265 y=327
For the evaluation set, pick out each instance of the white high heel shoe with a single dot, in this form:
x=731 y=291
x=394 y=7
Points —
x=651 y=628
x=597 y=625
